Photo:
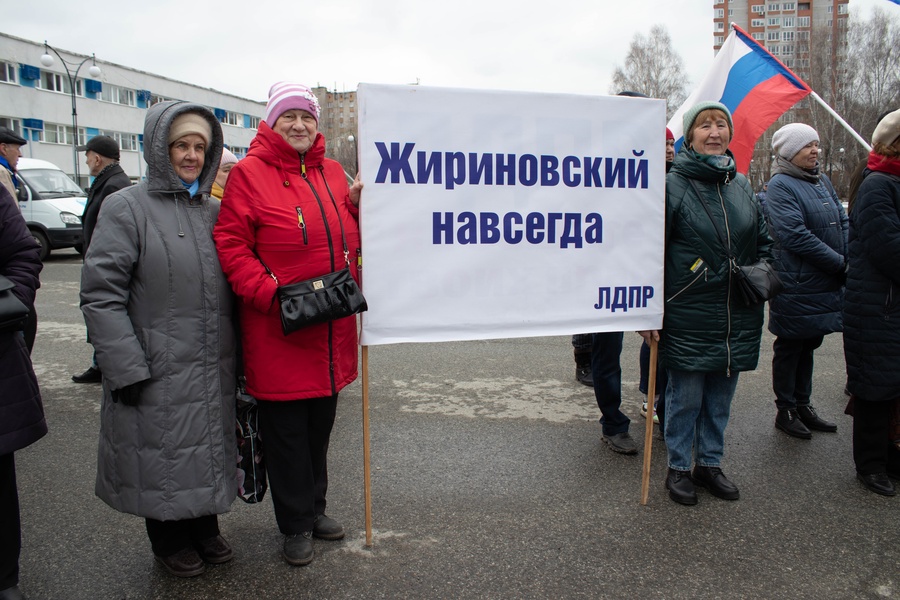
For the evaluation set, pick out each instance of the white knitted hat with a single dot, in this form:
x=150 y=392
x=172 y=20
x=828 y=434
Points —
x=888 y=129
x=790 y=139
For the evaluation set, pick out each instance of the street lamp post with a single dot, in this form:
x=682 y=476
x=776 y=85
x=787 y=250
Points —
x=94 y=71
x=352 y=140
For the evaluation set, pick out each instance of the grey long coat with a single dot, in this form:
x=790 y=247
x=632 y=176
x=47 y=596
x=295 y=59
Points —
x=158 y=310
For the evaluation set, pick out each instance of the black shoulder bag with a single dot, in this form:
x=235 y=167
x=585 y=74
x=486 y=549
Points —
x=321 y=299
x=755 y=283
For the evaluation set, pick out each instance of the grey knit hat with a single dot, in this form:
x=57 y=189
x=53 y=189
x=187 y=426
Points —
x=888 y=129
x=690 y=115
x=790 y=139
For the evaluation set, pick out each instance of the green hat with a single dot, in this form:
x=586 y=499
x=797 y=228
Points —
x=690 y=115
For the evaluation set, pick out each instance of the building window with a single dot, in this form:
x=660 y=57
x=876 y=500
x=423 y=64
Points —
x=117 y=95
x=156 y=99
x=773 y=50
x=789 y=63
x=126 y=141
x=802 y=21
x=775 y=6
x=238 y=151
x=233 y=118
x=54 y=82
x=10 y=123
x=788 y=22
x=720 y=13
x=773 y=36
x=718 y=40
x=843 y=9
x=803 y=6
x=759 y=9
x=802 y=35
x=719 y=26
x=788 y=6
x=787 y=50
x=787 y=36
x=254 y=122
x=759 y=36
x=774 y=21
x=8 y=73
x=62 y=134
x=758 y=23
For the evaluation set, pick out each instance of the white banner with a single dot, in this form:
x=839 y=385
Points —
x=490 y=214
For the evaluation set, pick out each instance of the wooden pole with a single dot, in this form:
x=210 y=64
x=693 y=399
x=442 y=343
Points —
x=648 y=435
x=367 y=469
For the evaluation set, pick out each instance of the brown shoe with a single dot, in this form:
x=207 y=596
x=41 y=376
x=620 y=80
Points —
x=184 y=563
x=214 y=550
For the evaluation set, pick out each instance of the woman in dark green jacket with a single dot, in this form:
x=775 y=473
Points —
x=709 y=335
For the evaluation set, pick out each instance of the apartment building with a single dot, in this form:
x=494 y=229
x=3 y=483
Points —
x=786 y=29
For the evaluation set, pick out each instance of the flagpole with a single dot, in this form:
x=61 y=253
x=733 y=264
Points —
x=841 y=121
x=367 y=463
x=648 y=434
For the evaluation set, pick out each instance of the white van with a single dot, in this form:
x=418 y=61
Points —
x=52 y=205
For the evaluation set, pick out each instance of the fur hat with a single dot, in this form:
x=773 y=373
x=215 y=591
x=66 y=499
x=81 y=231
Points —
x=888 y=129
x=285 y=96
x=188 y=123
x=792 y=138
x=690 y=115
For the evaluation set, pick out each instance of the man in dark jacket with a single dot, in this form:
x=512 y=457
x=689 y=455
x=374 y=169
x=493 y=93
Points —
x=102 y=158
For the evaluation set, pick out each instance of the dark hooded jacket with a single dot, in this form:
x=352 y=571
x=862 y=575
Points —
x=21 y=412
x=158 y=311
x=706 y=327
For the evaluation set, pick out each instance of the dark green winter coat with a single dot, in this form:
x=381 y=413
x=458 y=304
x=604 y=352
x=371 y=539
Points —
x=706 y=326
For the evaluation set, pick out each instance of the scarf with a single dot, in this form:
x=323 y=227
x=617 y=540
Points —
x=786 y=167
x=884 y=164
x=99 y=175
x=12 y=173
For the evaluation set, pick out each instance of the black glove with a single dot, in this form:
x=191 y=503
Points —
x=129 y=395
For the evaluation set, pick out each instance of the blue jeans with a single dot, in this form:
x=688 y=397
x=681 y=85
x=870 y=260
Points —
x=697 y=408
x=606 y=348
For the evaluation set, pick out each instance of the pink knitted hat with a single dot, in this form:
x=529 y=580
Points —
x=285 y=96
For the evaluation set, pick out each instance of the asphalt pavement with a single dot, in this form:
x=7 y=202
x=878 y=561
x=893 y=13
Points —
x=489 y=480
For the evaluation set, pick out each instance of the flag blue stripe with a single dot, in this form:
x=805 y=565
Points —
x=774 y=64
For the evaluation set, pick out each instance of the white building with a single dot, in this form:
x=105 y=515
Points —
x=36 y=102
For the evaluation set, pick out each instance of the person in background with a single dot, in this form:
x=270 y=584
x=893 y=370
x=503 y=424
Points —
x=10 y=150
x=21 y=412
x=102 y=159
x=809 y=226
x=708 y=335
x=644 y=358
x=762 y=195
x=872 y=311
x=159 y=313
x=286 y=213
x=225 y=165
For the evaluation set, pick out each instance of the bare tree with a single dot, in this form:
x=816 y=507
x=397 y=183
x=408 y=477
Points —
x=654 y=68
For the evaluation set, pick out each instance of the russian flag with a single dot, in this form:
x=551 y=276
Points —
x=755 y=86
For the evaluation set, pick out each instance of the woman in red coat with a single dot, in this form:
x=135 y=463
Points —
x=280 y=223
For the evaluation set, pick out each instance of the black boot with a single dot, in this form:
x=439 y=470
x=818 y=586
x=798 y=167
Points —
x=583 y=368
x=714 y=480
x=812 y=420
x=92 y=375
x=681 y=488
x=788 y=421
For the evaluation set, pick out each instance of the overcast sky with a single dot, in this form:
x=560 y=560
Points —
x=243 y=47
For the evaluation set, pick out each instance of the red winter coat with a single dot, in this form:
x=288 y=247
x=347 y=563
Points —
x=258 y=221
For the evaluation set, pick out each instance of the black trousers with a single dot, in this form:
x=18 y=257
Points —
x=792 y=370
x=10 y=524
x=295 y=438
x=873 y=450
x=169 y=537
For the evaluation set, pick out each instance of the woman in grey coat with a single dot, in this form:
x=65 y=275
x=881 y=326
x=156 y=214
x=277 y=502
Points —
x=809 y=227
x=158 y=311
